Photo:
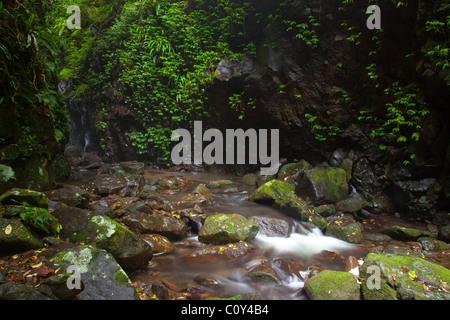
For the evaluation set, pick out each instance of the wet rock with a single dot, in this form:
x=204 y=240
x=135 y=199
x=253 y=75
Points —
x=326 y=255
x=165 y=225
x=58 y=285
x=159 y=243
x=89 y=158
x=351 y=205
x=299 y=209
x=264 y=272
x=412 y=278
x=325 y=210
x=232 y=252
x=81 y=226
x=413 y=249
x=208 y=281
x=70 y=195
x=365 y=179
x=138 y=206
x=432 y=244
x=405 y=234
x=131 y=167
x=291 y=171
x=124 y=185
x=273 y=227
x=204 y=191
x=323 y=185
x=377 y=237
x=102 y=276
x=174 y=202
x=333 y=285
x=17 y=291
x=31 y=197
x=344 y=227
x=225 y=228
x=271 y=191
x=15 y=237
x=250 y=179
x=173 y=183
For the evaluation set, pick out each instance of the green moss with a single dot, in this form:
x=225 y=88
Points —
x=272 y=190
x=122 y=277
x=333 y=182
x=332 y=285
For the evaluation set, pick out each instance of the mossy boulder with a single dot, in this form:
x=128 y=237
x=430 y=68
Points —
x=323 y=185
x=250 y=179
x=102 y=277
x=289 y=172
x=432 y=244
x=226 y=228
x=15 y=237
x=351 y=205
x=333 y=285
x=81 y=226
x=18 y=196
x=412 y=278
x=271 y=191
x=405 y=234
x=344 y=227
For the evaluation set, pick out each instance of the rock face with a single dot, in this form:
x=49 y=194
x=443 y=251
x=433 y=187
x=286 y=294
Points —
x=403 y=278
x=226 y=228
x=101 y=275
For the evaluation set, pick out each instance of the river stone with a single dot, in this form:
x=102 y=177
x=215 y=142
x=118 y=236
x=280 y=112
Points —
x=102 y=276
x=412 y=278
x=405 y=234
x=203 y=190
x=263 y=272
x=81 y=226
x=323 y=185
x=432 y=244
x=15 y=237
x=345 y=228
x=168 y=226
x=299 y=209
x=159 y=243
x=333 y=285
x=273 y=227
x=325 y=210
x=271 y=191
x=225 y=228
x=17 y=196
x=231 y=252
x=289 y=172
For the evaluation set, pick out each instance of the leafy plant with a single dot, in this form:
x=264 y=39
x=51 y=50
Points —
x=38 y=218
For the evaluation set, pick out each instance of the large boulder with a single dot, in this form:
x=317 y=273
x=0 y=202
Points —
x=70 y=195
x=101 y=275
x=226 y=228
x=81 y=226
x=15 y=237
x=323 y=185
x=273 y=227
x=333 y=285
x=411 y=278
x=405 y=234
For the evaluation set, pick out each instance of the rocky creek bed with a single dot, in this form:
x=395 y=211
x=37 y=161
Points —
x=183 y=233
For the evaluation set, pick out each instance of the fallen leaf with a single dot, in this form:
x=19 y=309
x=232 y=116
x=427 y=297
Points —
x=8 y=229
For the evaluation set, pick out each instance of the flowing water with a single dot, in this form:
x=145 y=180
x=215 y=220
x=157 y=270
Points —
x=292 y=258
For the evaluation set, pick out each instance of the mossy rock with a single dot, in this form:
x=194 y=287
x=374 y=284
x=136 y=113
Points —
x=223 y=228
x=345 y=228
x=323 y=185
x=250 y=179
x=351 y=205
x=290 y=171
x=18 y=196
x=15 y=237
x=432 y=244
x=325 y=210
x=102 y=277
x=271 y=191
x=203 y=190
x=412 y=278
x=405 y=234
x=299 y=209
x=333 y=285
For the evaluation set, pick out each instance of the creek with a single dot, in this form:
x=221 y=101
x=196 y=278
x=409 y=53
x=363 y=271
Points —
x=291 y=258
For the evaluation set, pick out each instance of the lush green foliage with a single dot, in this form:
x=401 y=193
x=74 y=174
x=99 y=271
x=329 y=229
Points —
x=38 y=218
